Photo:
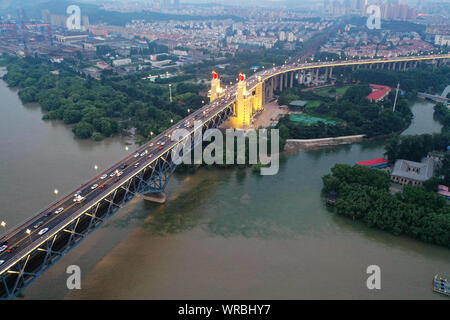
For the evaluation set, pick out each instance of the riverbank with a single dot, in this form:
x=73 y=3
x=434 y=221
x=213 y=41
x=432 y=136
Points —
x=312 y=144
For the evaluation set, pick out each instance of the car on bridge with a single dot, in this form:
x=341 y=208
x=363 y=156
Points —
x=78 y=199
x=37 y=225
x=114 y=173
x=59 y=210
x=94 y=187
x=2 y=262
x=104 y=176
x=3 y=247
x=136 y=155
x=42 y=231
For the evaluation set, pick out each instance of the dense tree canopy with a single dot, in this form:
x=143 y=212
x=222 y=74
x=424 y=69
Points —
x=101 y=109
x=353 y=112
x=363 y=194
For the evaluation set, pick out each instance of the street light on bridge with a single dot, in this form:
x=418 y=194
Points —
x=96 y=167
x=56 y=191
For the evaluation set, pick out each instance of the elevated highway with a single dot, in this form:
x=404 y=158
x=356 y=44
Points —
x=31 y=248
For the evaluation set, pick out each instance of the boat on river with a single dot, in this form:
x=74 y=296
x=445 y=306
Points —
x=441 y=285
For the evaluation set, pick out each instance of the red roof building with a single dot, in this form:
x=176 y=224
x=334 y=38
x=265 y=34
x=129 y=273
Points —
x=375 y=163
x=378 y=92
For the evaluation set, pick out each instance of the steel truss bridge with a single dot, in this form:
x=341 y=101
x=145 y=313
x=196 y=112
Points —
x=33 y=249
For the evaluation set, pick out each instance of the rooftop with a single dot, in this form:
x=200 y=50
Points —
x=418 y=171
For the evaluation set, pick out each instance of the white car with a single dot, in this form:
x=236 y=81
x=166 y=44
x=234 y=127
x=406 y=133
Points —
x=2 y=262
x=136 y=165
x=144 y=153
x=59 y=210
x=3 y=248
x=94 y=187
x=114 y=173
x=136 y=155
x=42 y=231
x=120 y=173
x=104 y=176
x=78 y=199
x=151 y=144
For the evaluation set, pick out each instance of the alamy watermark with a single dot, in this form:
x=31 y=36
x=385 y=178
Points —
x=213 y=153
x=374 y=19
x=374 y=280
x=74 y=280
x=73 y=22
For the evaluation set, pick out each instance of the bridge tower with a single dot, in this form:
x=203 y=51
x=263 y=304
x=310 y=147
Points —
x=258 y=97
x=243 y=105
x=216 y=90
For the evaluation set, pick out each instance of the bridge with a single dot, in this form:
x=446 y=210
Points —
x=433 y=97
x=30 y=249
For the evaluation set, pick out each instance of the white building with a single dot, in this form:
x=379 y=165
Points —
x=441 y=40
x=121 y=62
x=282 y=36
x=291 y=37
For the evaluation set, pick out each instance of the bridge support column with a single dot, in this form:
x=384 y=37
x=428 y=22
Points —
x=286 y=80
x=317 y=76
x=326 y=74
x=272 y=87
x=299 y=77
x=156 y=197
x=331 y=72
x=292 y=79
x=280 y=82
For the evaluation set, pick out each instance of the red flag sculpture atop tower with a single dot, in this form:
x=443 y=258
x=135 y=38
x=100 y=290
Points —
x=216 y=90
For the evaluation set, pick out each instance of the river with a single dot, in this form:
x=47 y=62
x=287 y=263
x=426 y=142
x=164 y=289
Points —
x=223 y=234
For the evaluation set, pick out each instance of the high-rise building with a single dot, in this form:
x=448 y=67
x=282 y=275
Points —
x=46 y=16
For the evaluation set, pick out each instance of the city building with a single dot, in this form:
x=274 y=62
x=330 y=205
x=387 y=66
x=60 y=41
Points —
x=375 y=163
x=121 y=62
x=378 y=92
x=413 y=173
x=442 y=40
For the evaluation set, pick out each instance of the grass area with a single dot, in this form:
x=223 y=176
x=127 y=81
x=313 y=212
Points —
x=313 y=104
x=325 y=92
x=310 y=119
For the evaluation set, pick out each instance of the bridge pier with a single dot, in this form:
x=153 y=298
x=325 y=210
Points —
x=156 y=197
